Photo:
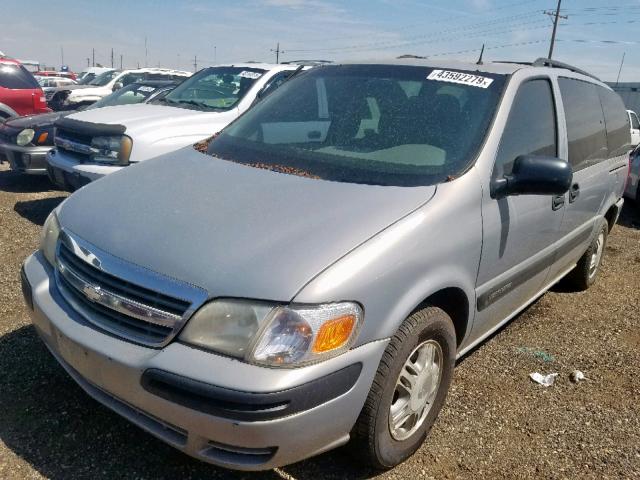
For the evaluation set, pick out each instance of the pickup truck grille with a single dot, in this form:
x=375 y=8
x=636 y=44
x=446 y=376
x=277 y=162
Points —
x=116 y=305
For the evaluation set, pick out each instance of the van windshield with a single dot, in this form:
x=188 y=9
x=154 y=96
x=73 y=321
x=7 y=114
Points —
x=373 y=124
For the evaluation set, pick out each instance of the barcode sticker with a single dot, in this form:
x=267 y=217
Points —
x=460 y=78
x=248 y=74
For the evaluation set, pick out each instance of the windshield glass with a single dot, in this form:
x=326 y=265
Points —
x=104 y=78
x=133 y=93
x=374 y=124
x=215 y=88
x=86 y=78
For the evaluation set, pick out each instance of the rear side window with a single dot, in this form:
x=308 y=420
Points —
x=531 y=128
x=16 y=77
x=616 y=122
x=585 y=123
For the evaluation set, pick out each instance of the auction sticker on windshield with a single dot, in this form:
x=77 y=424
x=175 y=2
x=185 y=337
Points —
x=460 y=78
x=247 y=74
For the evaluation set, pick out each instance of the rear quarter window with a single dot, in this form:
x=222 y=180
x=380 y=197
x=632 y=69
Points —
x=16 y=77
x=586 y=130
x=617 y=123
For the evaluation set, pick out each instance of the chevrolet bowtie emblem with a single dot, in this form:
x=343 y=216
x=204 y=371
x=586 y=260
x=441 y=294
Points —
x=92 y=293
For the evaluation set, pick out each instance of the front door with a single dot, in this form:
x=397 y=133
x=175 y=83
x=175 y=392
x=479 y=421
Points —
x=519 y=231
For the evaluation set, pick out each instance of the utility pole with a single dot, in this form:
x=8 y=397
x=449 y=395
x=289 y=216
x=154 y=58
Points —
x=215 y=59
x=556 y=16
x=120 y=61
x=277 y=51
x=146 y=52
x=195 y=63
x=61 y=55
x=93 y=57
x=112 y=57
x=88 y=61
x=620 y=71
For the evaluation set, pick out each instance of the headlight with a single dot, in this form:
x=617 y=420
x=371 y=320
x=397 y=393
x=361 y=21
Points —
x=25 y=137
x=113 y=149
x=274 y=335
x=49 y=237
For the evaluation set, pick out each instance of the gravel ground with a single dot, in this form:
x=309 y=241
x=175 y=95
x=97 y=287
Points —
x=496 y=424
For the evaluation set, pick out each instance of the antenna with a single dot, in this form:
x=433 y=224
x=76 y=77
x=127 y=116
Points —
x=479 y=62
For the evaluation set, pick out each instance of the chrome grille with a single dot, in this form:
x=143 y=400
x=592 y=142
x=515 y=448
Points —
x=125 y=307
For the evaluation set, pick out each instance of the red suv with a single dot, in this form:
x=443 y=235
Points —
x=20 y=93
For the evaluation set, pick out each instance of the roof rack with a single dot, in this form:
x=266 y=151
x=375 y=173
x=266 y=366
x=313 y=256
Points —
x=547 y=62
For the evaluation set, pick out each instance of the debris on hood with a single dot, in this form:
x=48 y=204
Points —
x=544 y=380
x=203 y=145
x=577 y=376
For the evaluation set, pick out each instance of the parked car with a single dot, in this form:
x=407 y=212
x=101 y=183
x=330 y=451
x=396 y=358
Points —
x=71 y=98
x=25 y=141
x=56 y=73
x=90 y=73
x=632 y=189
x=196 y=109
x=20 y=93
x=635 y=127
x=51 y=84
x=313 y=277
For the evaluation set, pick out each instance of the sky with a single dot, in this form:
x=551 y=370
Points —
x=180 y=33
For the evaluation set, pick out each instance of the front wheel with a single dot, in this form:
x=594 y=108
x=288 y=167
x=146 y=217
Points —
x=409 y=389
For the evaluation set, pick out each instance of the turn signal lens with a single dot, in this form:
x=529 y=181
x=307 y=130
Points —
x=334 y=334
x=43 y=137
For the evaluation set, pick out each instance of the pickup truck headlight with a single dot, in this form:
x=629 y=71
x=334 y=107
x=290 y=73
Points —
x=25 y=137
x=112 y=149
x=49 y=237
x=274 y=335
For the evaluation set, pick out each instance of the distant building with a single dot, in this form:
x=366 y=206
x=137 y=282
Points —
x=630 y=93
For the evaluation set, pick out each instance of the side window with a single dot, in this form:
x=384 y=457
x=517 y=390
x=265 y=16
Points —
x=585 y=123
x=635 y=124
x=616 y=122
x=531 y=128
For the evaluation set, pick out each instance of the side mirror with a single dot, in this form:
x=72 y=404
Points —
x=534 y=175
x=117 y=86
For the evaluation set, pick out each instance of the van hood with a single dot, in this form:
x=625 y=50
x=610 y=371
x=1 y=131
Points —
x=231 y=229
x=149 y=122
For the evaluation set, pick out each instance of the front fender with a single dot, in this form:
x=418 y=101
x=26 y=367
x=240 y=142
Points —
x=437 y=246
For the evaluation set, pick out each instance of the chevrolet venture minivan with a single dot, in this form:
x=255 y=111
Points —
x=310 y=278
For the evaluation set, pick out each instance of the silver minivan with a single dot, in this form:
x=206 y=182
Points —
x=311 y=277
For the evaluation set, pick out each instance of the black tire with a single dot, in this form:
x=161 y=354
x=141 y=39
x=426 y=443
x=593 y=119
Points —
x=583 y=276
x=371 y=436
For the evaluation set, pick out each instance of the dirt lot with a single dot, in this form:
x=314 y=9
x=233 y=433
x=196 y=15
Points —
x=497 y=423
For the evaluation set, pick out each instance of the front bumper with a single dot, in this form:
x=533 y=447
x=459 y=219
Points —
x=117 y=373
x=30 y=160
x=70 y=174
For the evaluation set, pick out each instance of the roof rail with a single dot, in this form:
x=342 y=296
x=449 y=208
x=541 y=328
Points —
x=547 y=62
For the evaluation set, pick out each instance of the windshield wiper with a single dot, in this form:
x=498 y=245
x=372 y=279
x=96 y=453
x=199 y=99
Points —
x=198 y=104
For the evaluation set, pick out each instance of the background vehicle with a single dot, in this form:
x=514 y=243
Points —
x=314 y=278
x=107 y=82
x=52 y=84
x=56 y=73
x=635 y=127
x=25 y=141
x=198 y=108
x=632 y=190
x=90 y=73
x=20 y=93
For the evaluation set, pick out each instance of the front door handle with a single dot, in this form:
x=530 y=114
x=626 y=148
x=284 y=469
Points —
x=557 y=202
x=574 y=192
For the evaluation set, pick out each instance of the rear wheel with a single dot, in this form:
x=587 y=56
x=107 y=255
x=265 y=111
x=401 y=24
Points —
x=588 y=267
x=409 y=389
